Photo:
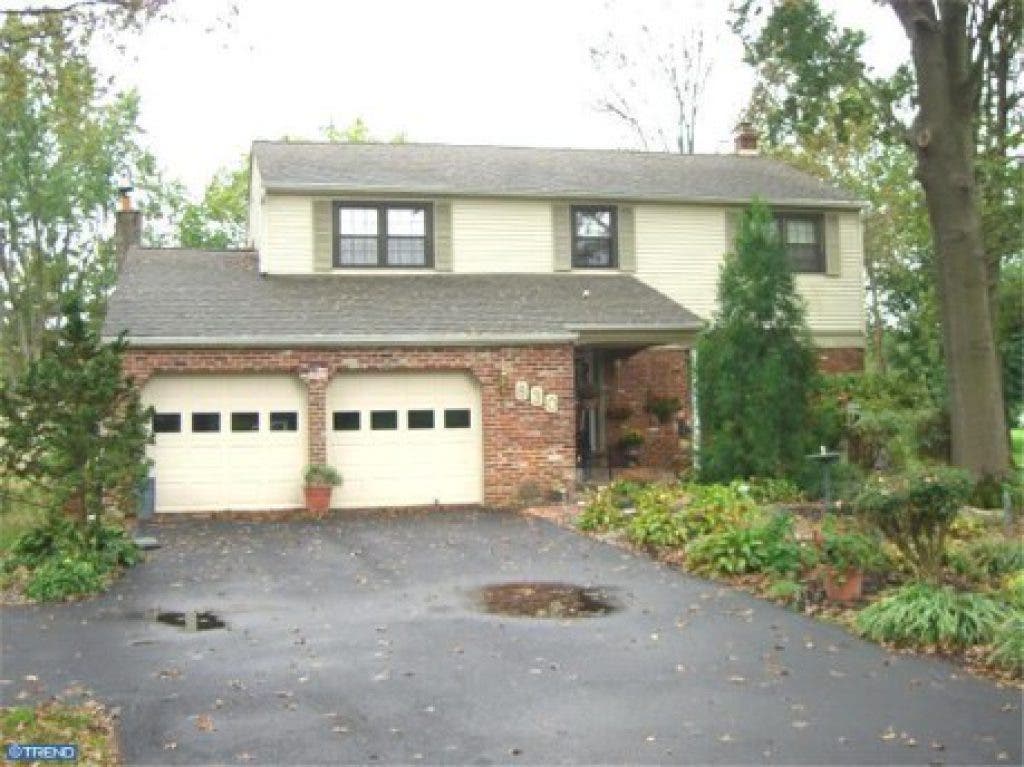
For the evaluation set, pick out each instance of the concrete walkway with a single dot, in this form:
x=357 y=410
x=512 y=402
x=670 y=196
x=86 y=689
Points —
x=357 y=640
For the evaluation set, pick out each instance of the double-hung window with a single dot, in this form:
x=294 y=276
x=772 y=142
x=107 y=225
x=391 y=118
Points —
x=382 y=235
x=594 y=237
x=801 y=235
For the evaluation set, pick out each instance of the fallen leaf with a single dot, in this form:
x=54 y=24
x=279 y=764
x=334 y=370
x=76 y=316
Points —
x=204 y=723
x=799 y=724
x=889 y=734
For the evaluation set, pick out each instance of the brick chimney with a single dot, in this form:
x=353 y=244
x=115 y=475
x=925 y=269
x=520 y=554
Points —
x=746 y=139
x=128 y=224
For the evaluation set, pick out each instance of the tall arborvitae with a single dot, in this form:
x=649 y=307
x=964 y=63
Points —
x=755 y=363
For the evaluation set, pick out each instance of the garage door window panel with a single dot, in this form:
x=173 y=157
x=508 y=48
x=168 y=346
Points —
x=456 y=418
x=205 y=423
x=346 y=420
x=421 y=419
x=167 y=423
x=245 y=422
x=383 y=420
x=283 y=420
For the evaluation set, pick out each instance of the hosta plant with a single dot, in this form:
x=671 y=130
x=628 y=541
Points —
x=768 y=548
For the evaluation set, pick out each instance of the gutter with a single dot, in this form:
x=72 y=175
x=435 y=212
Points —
x=406 y=193
x=282 y=342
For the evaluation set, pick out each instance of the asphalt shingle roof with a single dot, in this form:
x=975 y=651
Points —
x=535 y=172
x=208 y=296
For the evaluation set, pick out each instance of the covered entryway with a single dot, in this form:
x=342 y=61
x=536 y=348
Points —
x=227 y=443
x=405 y=439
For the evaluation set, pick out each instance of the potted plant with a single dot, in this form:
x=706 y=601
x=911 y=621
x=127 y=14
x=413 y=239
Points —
x=845 y=557
x=630 y=442
x=618 y=412
x=321 y=479
x=663 y=408
x=586 y=392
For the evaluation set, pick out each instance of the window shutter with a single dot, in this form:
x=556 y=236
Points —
x=561 y=232
x=833 y=247
x=323 y=252
x=443 y=236
x=627 y=238
x=732 y=230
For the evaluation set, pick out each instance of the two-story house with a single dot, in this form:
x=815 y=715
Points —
x=454 y=324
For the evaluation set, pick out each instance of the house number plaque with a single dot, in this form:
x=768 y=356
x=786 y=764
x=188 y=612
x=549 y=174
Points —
x=522 y=391
x=551 y=403
x=536 y=396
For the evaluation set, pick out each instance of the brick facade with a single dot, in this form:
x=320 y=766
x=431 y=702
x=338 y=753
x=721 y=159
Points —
x=632 y=381
x=526 y=449
x=842 y=360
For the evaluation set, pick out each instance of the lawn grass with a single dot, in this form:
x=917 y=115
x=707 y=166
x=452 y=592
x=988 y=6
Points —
x=1017 y=445
x=87 y=726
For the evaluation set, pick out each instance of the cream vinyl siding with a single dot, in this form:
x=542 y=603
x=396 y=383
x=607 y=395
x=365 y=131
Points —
x=287 y=246
x=836 y=304
x=227 y=470
x=680 y=248
x=254 y=226
x=494 y=235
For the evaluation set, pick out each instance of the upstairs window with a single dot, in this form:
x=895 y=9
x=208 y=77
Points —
x=377 y=235
x=594 y=235
x=801 y=235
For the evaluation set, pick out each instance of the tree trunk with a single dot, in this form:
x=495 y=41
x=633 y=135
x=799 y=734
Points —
x=943 y=139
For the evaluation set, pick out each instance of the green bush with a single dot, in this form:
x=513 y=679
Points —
x=846 y=480
x=785 y=590
x=987 y=559
x=769 y=548
x=64 y=559
x=767 y=490
x=716 y=508
x=915 y=511
x=668 y=514
x=1013 y=590
x=656 y=525
x=1007 y=651
x=920 y=614
x=755 y=362
x=843 y=550
x=58 y=536
x=60 y=577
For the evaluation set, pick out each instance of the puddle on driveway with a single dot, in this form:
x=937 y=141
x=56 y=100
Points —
x=544 y=600
x=191 y=621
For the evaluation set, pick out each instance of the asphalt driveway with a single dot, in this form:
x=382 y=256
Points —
x=356 y=640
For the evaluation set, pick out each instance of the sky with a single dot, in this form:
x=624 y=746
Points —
x=453 y=71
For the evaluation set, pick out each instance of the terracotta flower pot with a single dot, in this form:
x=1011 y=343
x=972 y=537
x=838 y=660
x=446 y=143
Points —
x=844 y=587
x=318 y=500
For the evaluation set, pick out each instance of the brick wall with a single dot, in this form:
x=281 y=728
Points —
x=632 y=381
x=844 y=360
x=526 y=449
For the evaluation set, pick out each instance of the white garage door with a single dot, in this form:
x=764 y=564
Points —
x=227 y=442
x=405 y=439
